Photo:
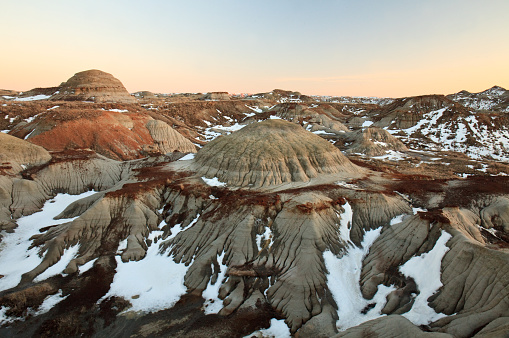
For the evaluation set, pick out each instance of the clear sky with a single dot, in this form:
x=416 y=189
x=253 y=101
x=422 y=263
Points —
x=325 y=47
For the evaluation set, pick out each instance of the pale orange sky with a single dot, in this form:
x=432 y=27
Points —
x=366 y=48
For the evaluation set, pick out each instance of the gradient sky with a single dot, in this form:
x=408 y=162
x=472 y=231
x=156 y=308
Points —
x=361 y=48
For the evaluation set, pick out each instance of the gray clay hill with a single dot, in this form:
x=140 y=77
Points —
x=271 y=152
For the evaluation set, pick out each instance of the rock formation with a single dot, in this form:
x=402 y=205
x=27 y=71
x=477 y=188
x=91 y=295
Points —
x=122 y=134
x=312 y=118
x=167 y=139
x=93 y=85
x=270 y=153
x=17 y=154
x=216 y=96
x=373 y=141
x=495 y=98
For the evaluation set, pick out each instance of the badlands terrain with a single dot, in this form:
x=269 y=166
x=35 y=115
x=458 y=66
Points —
x=269 y=215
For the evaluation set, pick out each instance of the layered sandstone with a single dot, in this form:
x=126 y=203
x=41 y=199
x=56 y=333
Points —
x=93 y=85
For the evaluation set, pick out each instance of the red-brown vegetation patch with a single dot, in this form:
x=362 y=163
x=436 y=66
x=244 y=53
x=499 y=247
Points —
x=417 y=187
x=434 y=216
x=150 y=178
x=474 y=187
x=308 y=208
x=324 y=188
x=246 y=197
x=232 y=200
x=457 y=193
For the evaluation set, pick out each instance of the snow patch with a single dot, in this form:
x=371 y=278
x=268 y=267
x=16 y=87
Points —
x=212 y=302
x=392 y=155
x=49 y=302
x=277 y=329
x=425 y=270
x=263 y=237
x=153 y=283
x=213 y=182
x=87 y=266
x=343 y=282
x=58 y=267
x=33 y=98
x=189 y=156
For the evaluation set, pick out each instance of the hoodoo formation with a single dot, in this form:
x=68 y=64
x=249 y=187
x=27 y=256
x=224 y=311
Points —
x=93 y=85
x=271 y=152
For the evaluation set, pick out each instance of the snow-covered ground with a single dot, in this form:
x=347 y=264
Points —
x=15 y=257
x=343 y=277
x=214 y=131
x=452 y=135
x=425 y=270
x=366 y=124
x=154 y=283
x=267 y=235
x=343 y=281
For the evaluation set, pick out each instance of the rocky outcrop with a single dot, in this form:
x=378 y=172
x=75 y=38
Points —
x=270 y=153
x=108 y=219
x=93 y=85
x=216 y=96
x=469 y=298
x=7 y=92
x=313 y=117
x=167 y=139
x=373 y=141
x=145 y=95
x=496 y=215
x=406 y=112
x=123 y=135
x=494 y=99
x=497 y=328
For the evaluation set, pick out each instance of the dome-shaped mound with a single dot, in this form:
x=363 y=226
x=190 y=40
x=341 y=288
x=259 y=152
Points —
x=93 y=85
x=271 y=152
